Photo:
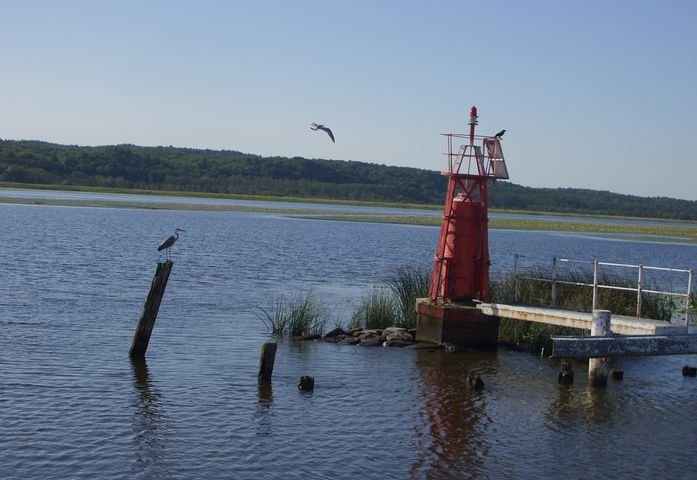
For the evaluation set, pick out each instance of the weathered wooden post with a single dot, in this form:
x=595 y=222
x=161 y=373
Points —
x=599 y=368
x=141 y=337
x=266 y=360
x=306 y=383
x=566 y=373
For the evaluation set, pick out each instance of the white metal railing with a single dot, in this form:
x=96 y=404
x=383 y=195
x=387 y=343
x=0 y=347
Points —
x=640 y=289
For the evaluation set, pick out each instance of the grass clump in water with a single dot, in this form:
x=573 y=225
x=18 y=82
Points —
x=393 y=305
x=407 y=284
x=376 y=310
x=295 y=316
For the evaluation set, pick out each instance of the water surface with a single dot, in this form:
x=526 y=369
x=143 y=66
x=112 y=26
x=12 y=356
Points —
x=72 y=404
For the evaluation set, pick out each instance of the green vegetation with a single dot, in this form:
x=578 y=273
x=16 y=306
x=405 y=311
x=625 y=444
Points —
x=297 y=316
x=376 y=310
x=226 y=172
x=687 y=231
x=394 y=305
x=407 y=284
x=536 y=336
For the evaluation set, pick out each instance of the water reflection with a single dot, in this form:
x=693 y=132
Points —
x=582 y=405
x=147 y=421
x=453 y=417
x=263 y=413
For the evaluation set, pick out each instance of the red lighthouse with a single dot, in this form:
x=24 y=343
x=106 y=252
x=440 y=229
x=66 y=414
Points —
x=461 y=266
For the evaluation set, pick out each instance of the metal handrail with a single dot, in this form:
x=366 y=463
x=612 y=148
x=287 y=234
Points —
x=640 y=289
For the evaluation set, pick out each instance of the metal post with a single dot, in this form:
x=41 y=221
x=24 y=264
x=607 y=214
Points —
x=689 y=297
x=595 y=284
x=554 y=281
x=516 y=289
x=598 y=368
x=638 y=294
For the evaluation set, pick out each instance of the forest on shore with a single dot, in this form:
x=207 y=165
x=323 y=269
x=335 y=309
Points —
x=177 y=169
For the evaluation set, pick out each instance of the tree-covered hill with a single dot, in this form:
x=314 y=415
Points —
x=225 y=171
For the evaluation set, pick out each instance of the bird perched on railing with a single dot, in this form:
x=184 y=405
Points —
x=316 y=126
x=167 y=244
x=500 y=134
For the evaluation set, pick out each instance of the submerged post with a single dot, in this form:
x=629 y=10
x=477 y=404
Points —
x=141 y=337
x=599 y=368
x=266 y=360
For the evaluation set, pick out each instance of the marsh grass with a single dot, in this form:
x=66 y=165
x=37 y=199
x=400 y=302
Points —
x=376 y=310
x=407 y=284
x=295 y=316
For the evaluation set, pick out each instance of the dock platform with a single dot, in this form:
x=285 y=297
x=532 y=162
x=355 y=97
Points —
x=621 y=325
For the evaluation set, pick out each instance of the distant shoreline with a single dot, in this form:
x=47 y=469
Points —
x=684 y=231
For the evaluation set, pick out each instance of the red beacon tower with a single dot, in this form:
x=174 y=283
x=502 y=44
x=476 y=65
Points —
x=461 y=267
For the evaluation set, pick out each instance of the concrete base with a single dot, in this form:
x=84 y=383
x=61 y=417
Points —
x=462 y=325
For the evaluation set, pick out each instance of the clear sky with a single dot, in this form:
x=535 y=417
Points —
x=593 y=94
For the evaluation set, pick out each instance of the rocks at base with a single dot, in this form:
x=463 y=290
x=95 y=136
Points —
x=370 y=339
x=389 y=337
x=337 y=332
x=307 y=338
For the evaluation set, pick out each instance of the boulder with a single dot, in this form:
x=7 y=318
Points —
x=336 y=333
x=397 y=343
x=394 y=333
x=304 y=338
x=370 y=339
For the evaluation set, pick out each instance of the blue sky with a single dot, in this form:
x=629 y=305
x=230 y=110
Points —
x=593 y=94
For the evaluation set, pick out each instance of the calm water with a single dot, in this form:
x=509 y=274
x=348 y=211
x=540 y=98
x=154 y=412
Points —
x=72 y=405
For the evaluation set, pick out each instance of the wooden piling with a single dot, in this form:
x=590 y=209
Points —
x=617 y=368
x=599 y=368
x=266 y=360
x=141 y=337
x=566 y=373
x=306 y=383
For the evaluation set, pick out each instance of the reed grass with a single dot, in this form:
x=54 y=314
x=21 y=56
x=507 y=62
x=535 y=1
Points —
x=407 y=284
x=295 y=316
x=376 y=310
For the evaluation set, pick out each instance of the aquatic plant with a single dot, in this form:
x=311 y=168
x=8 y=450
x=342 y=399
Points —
x=376 y=310
x=295 y=316
x=407 y=284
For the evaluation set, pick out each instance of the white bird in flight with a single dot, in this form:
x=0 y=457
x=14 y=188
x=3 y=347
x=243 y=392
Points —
x=315 y=126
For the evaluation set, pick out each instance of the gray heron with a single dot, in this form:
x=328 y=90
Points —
x=316 y=126
x=500 y=134
x=167 y=244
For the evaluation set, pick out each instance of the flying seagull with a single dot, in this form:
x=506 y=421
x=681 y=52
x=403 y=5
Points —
x=500 y=134
x=167 y=244
x=315 y=126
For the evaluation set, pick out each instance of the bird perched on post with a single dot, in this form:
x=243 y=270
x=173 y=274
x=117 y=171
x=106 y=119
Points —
x=167 y=244
x=500 y=134
x=315 y=126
